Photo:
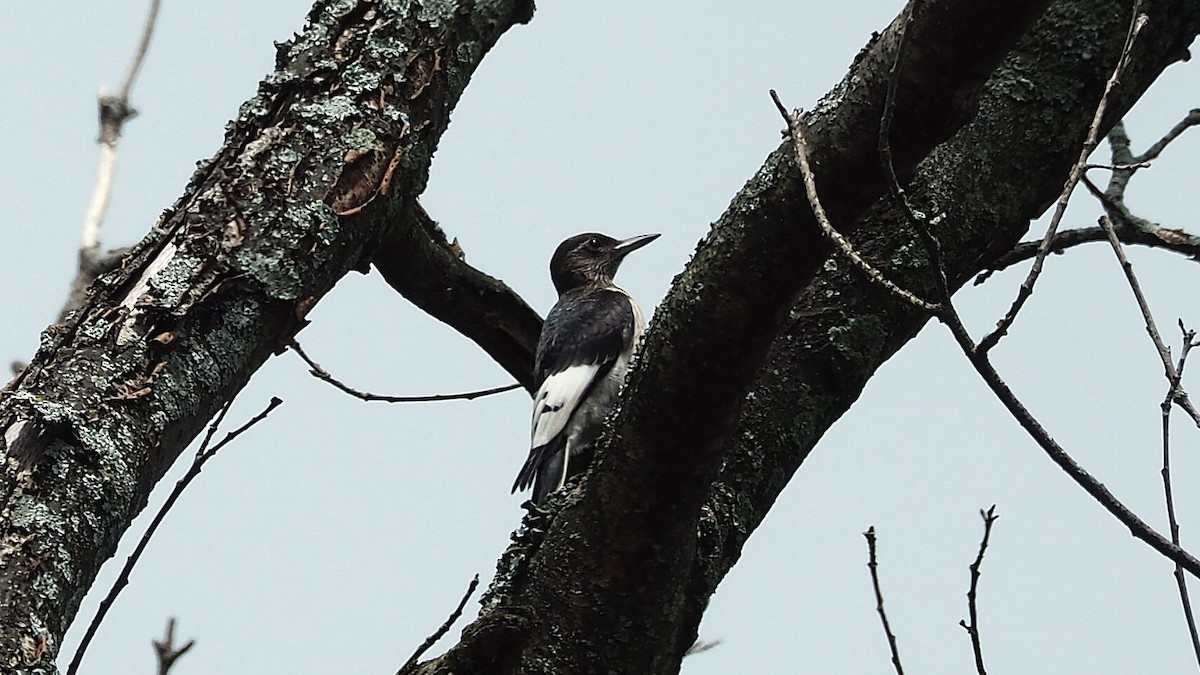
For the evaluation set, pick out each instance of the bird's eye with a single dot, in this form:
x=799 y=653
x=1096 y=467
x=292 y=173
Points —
x=593 y=243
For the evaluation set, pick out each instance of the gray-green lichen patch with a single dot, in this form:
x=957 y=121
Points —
x=339 y=108
x=363 y=139
x=435 y=12
x=361 y=80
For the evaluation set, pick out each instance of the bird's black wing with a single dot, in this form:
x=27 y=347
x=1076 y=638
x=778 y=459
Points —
x=582 y=338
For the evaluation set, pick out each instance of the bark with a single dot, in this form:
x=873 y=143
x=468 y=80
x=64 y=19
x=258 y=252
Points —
x=762 y=343
x=620 y=573
x=335 y=144
x=986 y=183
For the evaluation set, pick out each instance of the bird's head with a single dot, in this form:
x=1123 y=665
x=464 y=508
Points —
x=591 y=258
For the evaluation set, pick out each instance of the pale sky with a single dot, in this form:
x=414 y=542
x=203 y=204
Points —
x=336 y=535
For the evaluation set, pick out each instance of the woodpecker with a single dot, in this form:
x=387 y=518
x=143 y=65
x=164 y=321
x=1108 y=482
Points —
x=582 y=356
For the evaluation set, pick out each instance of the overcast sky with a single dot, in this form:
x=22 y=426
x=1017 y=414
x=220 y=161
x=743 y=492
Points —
x=336 y=535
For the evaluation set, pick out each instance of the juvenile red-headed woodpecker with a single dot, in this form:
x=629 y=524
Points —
x=586 y=343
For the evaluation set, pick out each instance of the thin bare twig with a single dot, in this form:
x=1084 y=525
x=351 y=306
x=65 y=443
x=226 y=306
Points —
x=972 y=628
x=411 y=664
x=166 y=650
x=1173 y=390
x=1190 y=120
x=977 y=355
x=1117 y=167
x=1179 y=397
x=203 y=454
x=949 y=316
x=321 y=374
x=1130 y=229
x=887 y=628
x=114 y=111
x=1170 y=239
x=1093 y=137
x=795 y=122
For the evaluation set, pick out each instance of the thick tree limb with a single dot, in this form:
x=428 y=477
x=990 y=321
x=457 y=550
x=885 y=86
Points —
x=986 y=184
x=637 y=520
x=337 y=140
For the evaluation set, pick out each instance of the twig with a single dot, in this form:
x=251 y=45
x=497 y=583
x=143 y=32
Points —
x=1137 y=527
x=166 y=650
x=949 y=316
x=1130 y=229
x=1093 y=136
x=411 y=663
x=1117 y=167
x=203 y=454
x=1190 y=120
x=972 y=628
x=1160 y=237
x=321 y=374
x=1179 y=397
x=114 y=111
x=1173 y=389
x=887 y=628
x=795 y=122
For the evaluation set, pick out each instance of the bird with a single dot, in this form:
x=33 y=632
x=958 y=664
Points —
x=583 y=352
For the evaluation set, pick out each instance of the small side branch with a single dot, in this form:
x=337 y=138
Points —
x=411 y=664
x=167 y=651
x=1153 y=235
x=115 y=110
x=977 y=354
x=873 y=565
x=795 y=122
x=321 y=374
x=1179 y=397
x=203 y=454
x=1093 y=137
x=1173 y=391
x=972 y=628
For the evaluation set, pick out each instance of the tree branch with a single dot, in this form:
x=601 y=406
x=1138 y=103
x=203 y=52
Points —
x=887 y=628
x=321 y=374
x=203 y=454
x=1174 y=388
x=313 y=169
x=978 y=355
x=707 y=342
x=167 y=651
x=1093 y=138
x=1180 y=397
x=972 y=628
x=980 y=190
x=411 y=664
x=115 y=110
x=1155 y=236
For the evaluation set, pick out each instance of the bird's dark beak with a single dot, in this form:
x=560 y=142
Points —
x=624 y=248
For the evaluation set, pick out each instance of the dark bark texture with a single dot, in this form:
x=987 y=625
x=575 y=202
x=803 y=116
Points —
x=617 y=579
x=762 y=343
x=334 y=145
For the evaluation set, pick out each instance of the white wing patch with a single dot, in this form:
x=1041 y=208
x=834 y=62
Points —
x=557 y=398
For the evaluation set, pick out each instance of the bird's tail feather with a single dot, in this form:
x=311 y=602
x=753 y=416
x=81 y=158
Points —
x=535 y=466
x=550 y=475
